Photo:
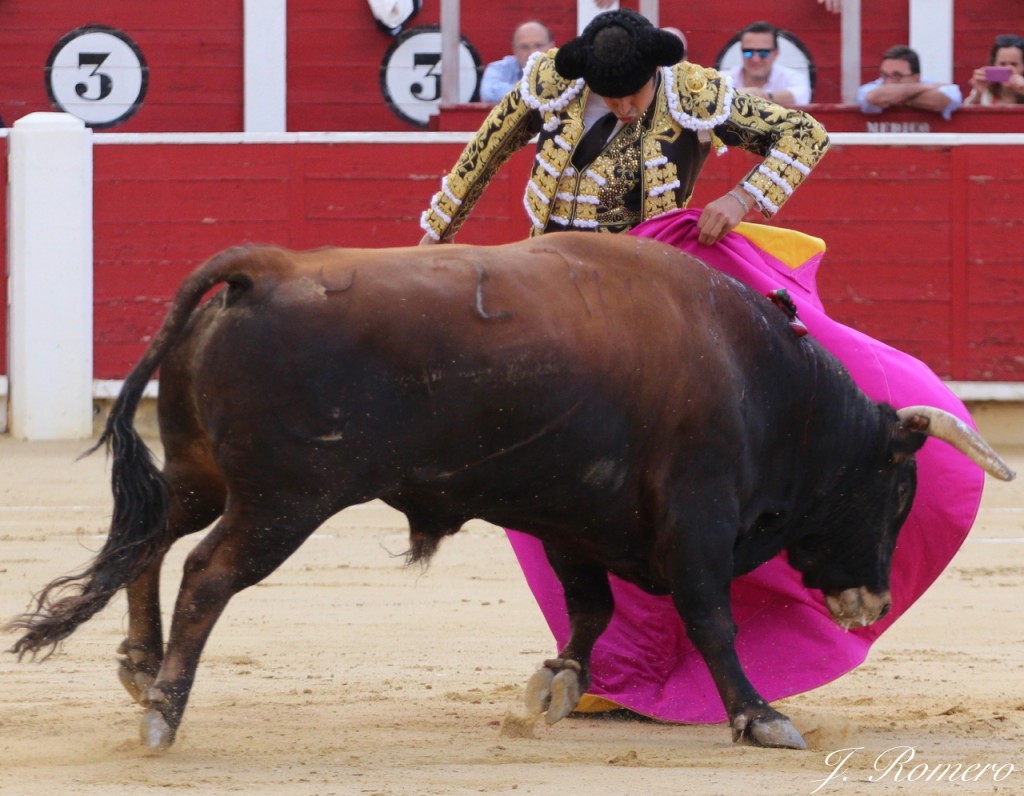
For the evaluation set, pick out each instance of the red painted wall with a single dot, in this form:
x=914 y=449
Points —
x=335 y=50
x=193 y=50
x=924 y=242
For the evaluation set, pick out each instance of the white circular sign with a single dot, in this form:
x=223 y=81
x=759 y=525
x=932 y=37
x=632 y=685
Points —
x=410 y=74
x=97 y=74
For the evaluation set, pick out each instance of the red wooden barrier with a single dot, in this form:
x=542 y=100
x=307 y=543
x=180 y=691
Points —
x=924 y=242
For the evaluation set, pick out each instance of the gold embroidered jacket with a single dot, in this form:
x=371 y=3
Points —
x=648 y=168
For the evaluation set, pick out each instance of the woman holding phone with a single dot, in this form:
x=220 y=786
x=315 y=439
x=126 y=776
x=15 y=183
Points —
x=1001 y=82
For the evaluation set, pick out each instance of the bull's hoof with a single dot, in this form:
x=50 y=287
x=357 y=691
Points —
x=775 y=732
x=554 y=695
x=565 y=696
x=135 y=681
x=538 y=691
x=133 y=672
x=154 y=731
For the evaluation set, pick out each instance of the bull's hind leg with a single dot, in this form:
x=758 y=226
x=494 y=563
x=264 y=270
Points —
x=556 y=688
x=243 y=548
x=142 y=649
x=197 y=499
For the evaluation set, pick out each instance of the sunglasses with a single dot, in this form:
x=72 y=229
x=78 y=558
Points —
x=760 y=53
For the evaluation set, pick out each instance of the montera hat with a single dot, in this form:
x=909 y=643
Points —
x=617 y=53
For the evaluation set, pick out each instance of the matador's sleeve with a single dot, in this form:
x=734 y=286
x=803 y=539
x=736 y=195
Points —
x=508 y=127
x=790 y=141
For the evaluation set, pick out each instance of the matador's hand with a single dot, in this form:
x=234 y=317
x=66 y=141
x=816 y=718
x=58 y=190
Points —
x=719 y=217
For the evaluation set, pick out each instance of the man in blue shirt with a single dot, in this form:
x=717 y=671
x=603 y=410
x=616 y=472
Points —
x=500 y=77
x=900 y=84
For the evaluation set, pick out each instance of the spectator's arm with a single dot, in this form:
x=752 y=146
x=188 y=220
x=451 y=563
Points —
x=493 y=85
x=862 y=98
x=942 y=99
x=930 y=98
x=785 y=97
x=888 y=95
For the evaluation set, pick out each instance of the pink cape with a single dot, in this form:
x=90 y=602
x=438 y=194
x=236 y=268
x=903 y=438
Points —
x=787 y=641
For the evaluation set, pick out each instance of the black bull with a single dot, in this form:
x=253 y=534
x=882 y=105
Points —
x=638 y=412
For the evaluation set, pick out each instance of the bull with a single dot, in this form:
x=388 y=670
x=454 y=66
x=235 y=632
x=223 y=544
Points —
x=637 y=411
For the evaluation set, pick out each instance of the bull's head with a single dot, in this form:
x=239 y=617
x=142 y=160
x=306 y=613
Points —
x=853 y=570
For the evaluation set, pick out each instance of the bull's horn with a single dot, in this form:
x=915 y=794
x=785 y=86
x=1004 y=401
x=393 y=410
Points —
x=950 y=428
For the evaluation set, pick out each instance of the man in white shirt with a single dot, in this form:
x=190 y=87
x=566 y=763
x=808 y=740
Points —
x=759 y=74
x=899 y=84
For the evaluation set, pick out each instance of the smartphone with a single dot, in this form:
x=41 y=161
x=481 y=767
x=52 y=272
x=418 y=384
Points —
x=997 y=74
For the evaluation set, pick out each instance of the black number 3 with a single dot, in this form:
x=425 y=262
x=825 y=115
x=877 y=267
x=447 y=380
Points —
x=106 y=83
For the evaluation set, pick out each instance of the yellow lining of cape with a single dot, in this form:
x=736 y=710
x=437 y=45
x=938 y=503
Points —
x=786 y=245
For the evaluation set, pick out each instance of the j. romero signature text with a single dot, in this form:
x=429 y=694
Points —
x=896 y=764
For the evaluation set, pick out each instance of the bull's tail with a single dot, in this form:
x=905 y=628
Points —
x=141 y=496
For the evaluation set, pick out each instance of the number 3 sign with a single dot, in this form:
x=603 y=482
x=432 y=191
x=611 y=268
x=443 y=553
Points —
x=410 y=74
x=97 y=74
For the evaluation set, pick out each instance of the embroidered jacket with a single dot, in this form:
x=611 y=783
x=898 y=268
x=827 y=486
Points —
x=648 y=168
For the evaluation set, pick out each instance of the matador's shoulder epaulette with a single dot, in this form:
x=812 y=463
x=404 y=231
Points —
x=699 y=97
x=543 y=89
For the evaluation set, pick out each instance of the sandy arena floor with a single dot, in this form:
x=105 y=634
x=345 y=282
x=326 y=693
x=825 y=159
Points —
x=346 y=673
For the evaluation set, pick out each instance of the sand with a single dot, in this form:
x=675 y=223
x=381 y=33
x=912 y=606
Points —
x=347 y=673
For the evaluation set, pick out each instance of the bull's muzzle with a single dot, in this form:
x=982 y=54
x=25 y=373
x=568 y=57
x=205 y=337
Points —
x=857 y=607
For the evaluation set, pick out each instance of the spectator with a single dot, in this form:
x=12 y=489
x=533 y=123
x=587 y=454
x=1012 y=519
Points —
x=758 y=73
x=500 y=77
x=900 y=84
x=1008 y=53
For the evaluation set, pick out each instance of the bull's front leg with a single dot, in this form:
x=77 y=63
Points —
x=556 y=688
x=701 y=579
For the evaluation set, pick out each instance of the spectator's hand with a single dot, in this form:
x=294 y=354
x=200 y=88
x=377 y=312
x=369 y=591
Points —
x=1015 y=84
x=604 y=3
x=718 y=218
x=978 y=81
x=835 y=6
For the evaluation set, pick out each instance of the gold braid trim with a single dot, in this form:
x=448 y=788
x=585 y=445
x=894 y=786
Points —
x=791 y=142
x=699 y=98
x=505 y=130
x=660 y=183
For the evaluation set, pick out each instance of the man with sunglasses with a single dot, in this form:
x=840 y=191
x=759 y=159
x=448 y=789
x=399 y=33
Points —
x=758 y=73
x=899 y=83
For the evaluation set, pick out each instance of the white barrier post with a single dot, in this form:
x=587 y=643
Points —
x=266 y=66
x=49 y=222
